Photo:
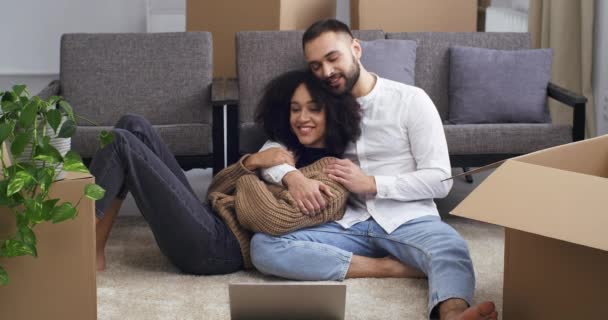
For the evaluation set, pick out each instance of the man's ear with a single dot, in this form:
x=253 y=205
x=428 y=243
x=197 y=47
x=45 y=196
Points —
x=356 y=48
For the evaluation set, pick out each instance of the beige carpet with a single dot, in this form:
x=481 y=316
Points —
x=140 y=283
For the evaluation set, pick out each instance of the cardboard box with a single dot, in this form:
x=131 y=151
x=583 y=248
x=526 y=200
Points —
x=553 y=205
x=224 y=18
x=413 y=16
x=60 y=282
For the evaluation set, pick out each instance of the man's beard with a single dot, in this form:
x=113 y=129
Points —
x=350 y=79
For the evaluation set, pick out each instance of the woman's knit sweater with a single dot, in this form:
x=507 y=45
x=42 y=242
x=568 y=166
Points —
x=247 y=204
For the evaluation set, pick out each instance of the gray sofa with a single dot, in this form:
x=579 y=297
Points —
x=165 y=77
x=262 y=55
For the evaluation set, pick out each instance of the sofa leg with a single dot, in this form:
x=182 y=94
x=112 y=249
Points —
x=468 y=177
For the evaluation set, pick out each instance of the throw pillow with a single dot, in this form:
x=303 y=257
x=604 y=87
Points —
x=390 y=58
x=498 y=86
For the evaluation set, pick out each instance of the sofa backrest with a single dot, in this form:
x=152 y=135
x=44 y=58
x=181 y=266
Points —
x=432 y=56
x=165 y=77
x=261 y=56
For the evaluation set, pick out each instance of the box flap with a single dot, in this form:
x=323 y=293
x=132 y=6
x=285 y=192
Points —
x=588 y=156
x=477 y=170
x=550 y=202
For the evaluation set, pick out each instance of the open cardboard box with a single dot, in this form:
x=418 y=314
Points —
x=60 y=282
x=554 y=207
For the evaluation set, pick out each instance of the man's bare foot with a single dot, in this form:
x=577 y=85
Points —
x=396 y=269
x=457 y=309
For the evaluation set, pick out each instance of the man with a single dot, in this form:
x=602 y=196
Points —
x=394 y=171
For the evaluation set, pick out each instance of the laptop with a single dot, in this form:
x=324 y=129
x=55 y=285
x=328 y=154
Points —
x=287 y=300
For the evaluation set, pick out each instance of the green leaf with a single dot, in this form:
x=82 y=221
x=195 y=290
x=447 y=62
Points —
x=45 y=178
x=17 y=182
x=20 y=142
x=73 y=162
x=28 y=115
x=26 y=235
x=10 y=96
x=67 y=108
x=67 y=129
x=53 y=100
x=47 y=208
x=18 y=89
x=54 y=119
x=94 y=192
x=63 y=212
x=47 y=153
x=3 y=277
x=10 y=106
x=33 y=212
x=106 y=138
x=15 y=248
x=5 y=130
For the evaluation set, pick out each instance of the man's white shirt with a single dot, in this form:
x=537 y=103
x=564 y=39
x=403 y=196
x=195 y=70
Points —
x=403 y=146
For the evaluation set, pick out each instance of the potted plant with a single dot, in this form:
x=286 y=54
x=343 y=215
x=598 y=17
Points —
x=31 y=129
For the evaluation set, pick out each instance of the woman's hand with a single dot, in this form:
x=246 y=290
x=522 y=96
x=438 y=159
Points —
x=269 y=158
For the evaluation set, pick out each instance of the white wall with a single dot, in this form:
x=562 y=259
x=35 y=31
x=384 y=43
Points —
x=31 y=29
x=34 y=27
x=600 y=72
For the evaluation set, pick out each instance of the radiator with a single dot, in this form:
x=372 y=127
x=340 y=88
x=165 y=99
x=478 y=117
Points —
x=505 y=20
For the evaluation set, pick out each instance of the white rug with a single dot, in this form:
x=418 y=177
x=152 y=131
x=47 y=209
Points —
x=140 y=283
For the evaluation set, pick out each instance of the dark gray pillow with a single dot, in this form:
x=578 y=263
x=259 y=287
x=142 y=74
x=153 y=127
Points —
x=390 y=59
x=499 y=86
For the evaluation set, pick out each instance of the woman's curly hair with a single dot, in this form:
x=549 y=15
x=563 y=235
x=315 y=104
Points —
x=343 y=112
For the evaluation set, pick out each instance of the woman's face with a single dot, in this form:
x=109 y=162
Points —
x=307 y=119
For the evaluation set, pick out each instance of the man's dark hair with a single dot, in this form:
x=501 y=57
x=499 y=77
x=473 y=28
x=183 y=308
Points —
x=343 y=112
x=322 y=26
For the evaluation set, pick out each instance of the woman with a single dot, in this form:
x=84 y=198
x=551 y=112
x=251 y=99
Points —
x=312 y=125
x=195 y=239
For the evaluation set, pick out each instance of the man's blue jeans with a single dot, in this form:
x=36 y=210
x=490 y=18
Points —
x=324 y=253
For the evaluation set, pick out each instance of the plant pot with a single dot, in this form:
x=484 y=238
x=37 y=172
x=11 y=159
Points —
x=63 y=145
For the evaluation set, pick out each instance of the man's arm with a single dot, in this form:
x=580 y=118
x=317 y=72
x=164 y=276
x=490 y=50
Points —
x=429 y=148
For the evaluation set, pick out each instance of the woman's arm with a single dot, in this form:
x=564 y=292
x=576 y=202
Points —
x=271 y=209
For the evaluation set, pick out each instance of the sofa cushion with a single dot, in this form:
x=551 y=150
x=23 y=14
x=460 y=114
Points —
x=182 y=139
x=390 y=58
x=512 y=138
x=165 y=77
x=498 y=86
x=433 y=58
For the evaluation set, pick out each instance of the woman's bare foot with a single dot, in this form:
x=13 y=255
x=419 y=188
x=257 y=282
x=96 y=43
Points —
x=457 y=309
x=101 y=261
x=102 y=231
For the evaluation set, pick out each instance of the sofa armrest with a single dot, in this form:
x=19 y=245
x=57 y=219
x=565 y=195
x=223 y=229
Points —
x=224 y=95
x=577 y=102
x=52 y=89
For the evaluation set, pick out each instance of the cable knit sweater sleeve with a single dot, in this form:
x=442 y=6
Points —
x=225 y=180
x=271 y=209
x=245 y=203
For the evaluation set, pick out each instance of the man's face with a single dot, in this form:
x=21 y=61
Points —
x=334 y=59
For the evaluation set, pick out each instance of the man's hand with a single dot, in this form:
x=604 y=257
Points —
x=306 y=192
x=269 y=158
x=351 y=176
